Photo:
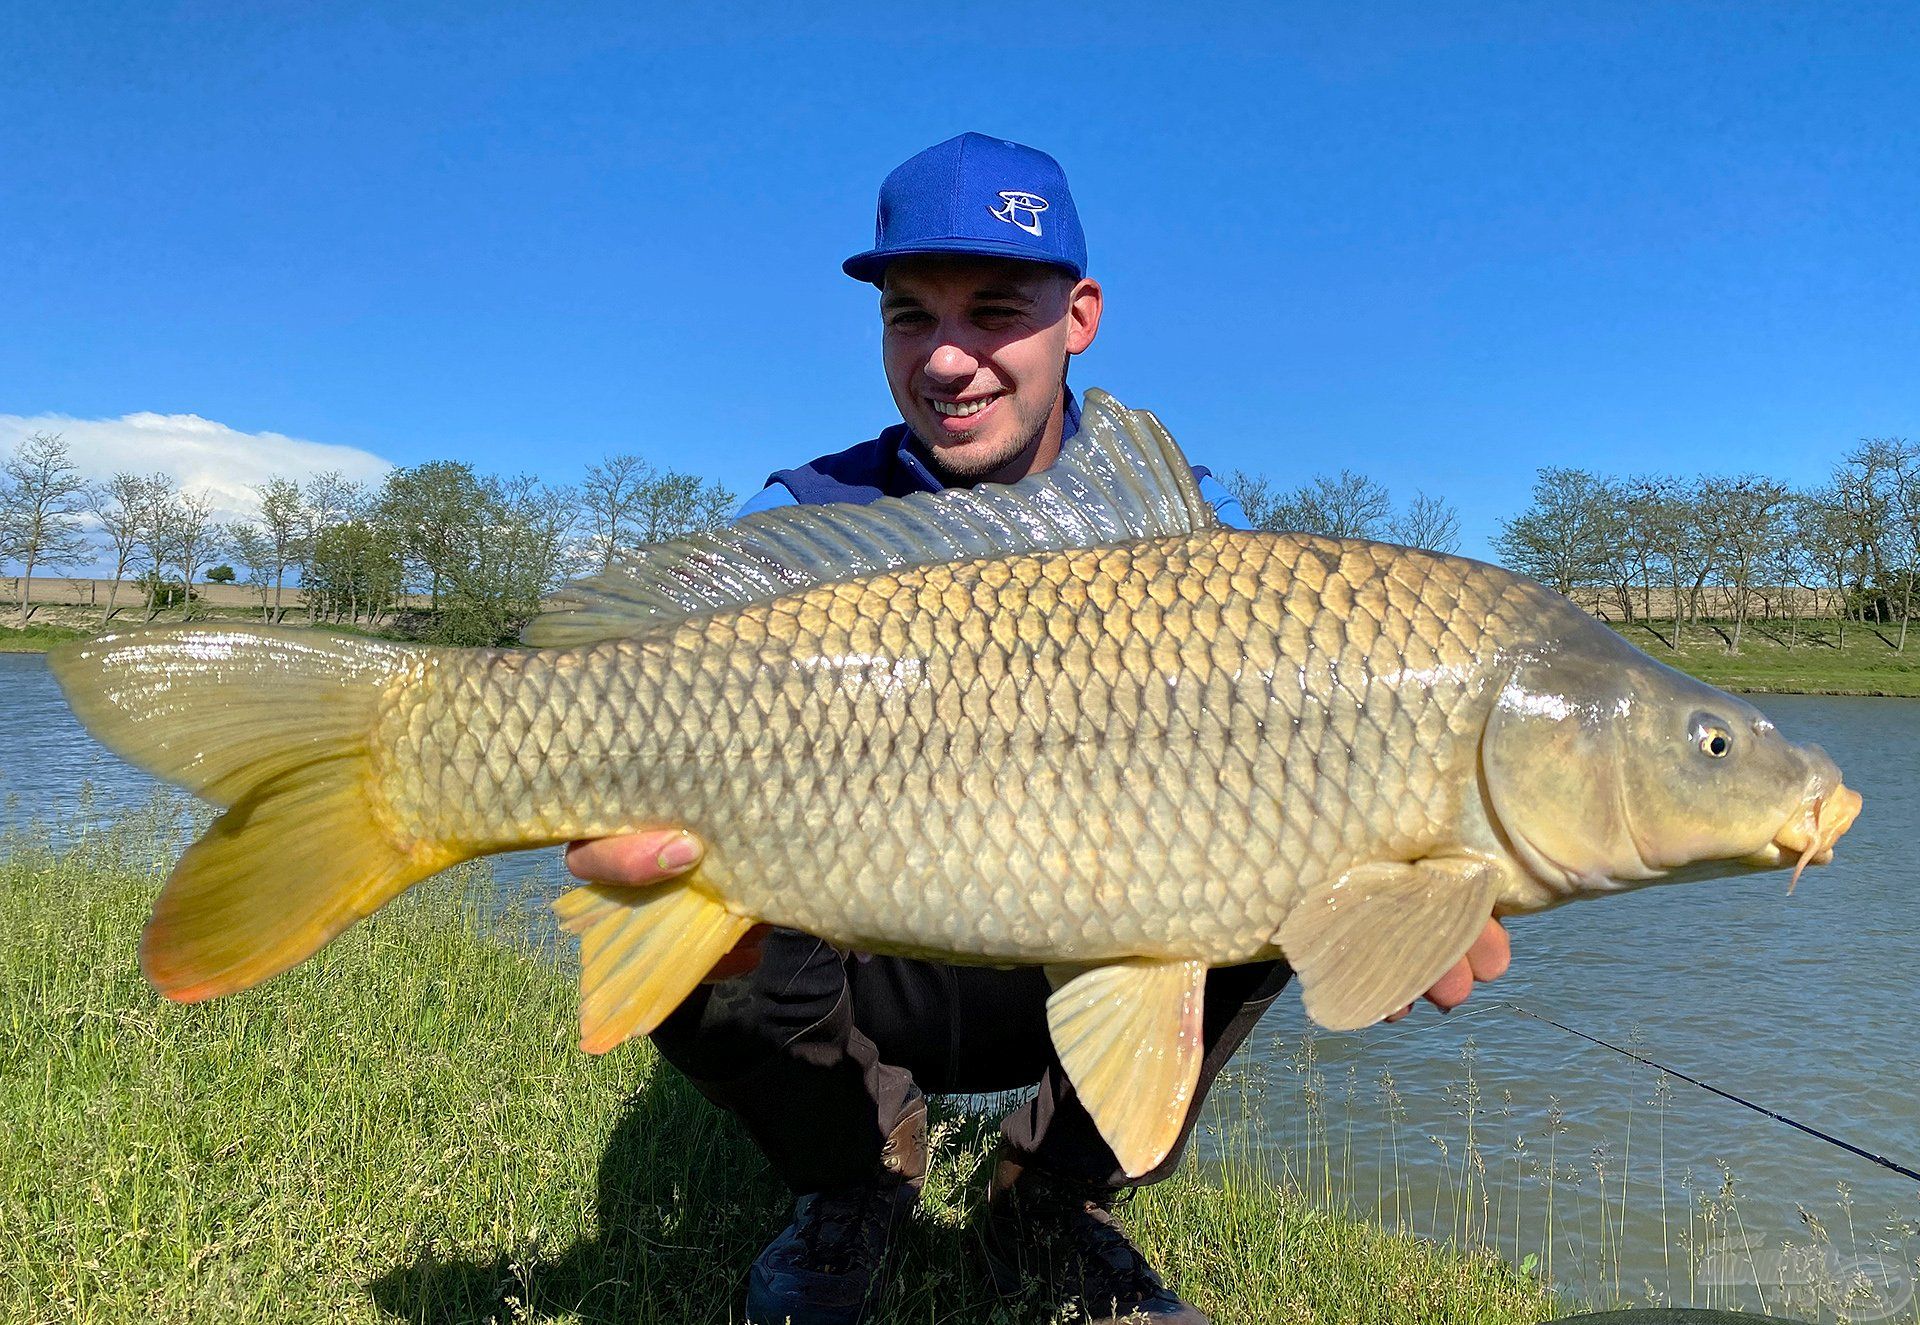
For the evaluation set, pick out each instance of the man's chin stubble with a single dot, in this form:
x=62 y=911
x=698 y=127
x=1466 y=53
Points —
x=976 y=465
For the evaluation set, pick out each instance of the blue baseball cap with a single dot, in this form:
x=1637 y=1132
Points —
x=975 y=194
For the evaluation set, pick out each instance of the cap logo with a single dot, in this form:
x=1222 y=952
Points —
x=1021 y=209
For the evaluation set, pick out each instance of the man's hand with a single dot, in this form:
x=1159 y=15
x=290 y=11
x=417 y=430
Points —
x=656 y=856
x=1486 y=960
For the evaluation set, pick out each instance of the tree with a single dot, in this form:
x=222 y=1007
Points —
x=1676 y=547
x=119 y=506
x=609 y=498
x=1560 y=539
x=1347 y=505
x=434 y=507
x=1823 y=527
x=153 y=549
x=1748 y=518
x=1631 y=538
x=42 y=497
x=1265 y=507
x=673 y=505
x=221 y=574
x=327 y=499
x=625 y=503
x=354 y=569
x=1865 y=490
x=1428 y=522
x=1900 y=461
x=190 y=535
x=282 y=527
x=514 y=550
x=1787 y=567
x=251 y=546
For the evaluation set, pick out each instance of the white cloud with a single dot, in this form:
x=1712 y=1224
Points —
x=200 y=455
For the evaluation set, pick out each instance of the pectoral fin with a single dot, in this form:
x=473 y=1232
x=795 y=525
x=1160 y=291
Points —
x=642 y=951
x=1383 y=934
x=1128 y=1034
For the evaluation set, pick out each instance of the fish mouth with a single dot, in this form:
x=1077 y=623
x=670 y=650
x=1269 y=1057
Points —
x=1808 y=837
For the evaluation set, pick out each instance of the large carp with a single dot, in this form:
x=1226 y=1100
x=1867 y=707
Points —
x=1071 y=721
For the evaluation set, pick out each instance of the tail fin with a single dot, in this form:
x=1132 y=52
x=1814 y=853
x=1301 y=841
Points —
x=272 y=725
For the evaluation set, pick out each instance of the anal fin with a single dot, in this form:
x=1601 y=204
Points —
x=1129 y=1035
x=1382 y=934
x=642 y=951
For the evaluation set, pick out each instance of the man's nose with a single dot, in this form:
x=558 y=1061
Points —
x=951 y=362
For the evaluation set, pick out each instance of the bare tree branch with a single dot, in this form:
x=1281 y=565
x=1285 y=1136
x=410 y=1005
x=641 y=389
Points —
x=42 y=498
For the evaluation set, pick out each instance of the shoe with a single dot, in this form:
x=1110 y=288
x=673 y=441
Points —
x=830 y=1264
x=1063 y=1236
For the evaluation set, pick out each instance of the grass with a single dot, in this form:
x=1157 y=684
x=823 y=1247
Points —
x=53 y=624
x=36 y=637
x=401 y=1129
x=1492 y=1172
x=1807 y=659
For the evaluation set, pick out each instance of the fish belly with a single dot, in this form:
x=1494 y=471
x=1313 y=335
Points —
x=1146 y=750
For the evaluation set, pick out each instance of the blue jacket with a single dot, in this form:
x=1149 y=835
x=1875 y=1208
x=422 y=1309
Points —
x=890 y=466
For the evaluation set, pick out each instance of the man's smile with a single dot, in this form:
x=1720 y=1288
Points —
x=965 y=414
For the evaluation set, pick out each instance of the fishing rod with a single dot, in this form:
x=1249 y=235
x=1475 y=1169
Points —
x=1815 y=1132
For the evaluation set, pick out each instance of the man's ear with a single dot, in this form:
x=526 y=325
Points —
x=1083 y=314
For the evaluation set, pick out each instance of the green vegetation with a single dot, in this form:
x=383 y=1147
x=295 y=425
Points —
x=36 y=638
x=402 y=1129
x=1790 y=657
x=438 y=552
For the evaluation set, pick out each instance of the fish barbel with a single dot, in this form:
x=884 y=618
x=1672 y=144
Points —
x=1072 y=721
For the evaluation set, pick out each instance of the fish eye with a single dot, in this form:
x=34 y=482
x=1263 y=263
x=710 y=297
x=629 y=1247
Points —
x=1714 y=740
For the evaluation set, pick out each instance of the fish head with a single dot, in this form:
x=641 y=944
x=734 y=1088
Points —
x=1605 y=769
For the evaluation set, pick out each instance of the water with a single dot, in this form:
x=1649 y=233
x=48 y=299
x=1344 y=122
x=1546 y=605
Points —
x=47 y=761
x=1798 y=1004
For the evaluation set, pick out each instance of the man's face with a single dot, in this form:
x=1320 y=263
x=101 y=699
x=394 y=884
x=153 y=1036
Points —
x=976 y=355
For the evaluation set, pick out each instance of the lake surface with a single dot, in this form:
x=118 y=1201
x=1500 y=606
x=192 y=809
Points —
x=1492 y=1125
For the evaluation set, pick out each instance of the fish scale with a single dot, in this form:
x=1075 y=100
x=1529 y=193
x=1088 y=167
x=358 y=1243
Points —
x=1148 y=750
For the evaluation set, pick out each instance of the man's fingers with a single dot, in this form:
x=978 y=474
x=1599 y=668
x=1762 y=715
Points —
x=1490 y=953
x=1452 y=988
x=634 y=858
x=1487 y=959
x=655 y=856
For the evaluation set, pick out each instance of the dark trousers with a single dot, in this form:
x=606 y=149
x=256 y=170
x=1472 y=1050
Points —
x=820 y=1054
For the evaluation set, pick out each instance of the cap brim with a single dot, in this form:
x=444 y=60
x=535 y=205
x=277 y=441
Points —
x=872 y=265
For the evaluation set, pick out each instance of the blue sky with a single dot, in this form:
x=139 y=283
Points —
x=1441 y=244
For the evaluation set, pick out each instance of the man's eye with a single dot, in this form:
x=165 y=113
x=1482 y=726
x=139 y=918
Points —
x=908 y=319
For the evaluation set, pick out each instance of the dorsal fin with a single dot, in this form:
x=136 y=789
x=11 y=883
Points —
x=1119 y=478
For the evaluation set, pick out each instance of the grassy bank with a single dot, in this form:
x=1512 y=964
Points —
x=54 y=624
x=1808 y=660
x=36 y=638
x=403 y=1130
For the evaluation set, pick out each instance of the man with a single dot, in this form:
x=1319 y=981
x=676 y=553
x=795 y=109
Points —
x=823 y=1054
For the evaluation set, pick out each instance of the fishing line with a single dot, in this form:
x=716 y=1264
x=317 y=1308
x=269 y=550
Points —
x=1777 y=1116
x=1483 y=1009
